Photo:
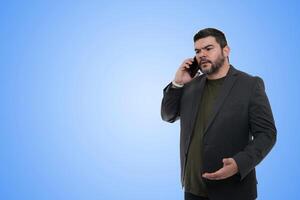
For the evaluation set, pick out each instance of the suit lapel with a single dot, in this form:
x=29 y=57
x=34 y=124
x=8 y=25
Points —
x=224 y=91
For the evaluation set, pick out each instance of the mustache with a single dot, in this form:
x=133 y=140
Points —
x=202 y=61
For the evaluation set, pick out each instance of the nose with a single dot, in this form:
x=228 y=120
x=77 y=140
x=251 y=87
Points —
x=201 y=54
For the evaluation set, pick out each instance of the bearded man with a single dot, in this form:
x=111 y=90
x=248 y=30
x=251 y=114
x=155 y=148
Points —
x=226 y=122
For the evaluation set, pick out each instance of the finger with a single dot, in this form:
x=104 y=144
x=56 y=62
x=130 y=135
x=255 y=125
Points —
x=185 y=66
x=214 y=175
x=189 y=62
x=220 y=174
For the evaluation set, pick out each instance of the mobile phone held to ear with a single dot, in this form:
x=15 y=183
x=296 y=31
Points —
x=194 y=67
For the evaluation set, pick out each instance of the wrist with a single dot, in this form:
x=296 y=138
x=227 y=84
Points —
x=178 y=85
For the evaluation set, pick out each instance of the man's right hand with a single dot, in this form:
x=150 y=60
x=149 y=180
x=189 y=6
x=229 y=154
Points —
x=182 y=76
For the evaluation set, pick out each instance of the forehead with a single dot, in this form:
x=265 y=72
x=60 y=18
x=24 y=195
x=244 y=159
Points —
x=203 y=42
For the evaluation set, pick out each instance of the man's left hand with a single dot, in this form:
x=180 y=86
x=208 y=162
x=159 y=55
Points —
x=229 y=169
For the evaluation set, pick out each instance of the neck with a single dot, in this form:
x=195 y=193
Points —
x=220 y=73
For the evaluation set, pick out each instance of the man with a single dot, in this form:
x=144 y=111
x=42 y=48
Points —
x=226 y=123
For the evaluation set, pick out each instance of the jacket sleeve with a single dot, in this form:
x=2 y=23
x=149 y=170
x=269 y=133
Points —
x=262 y=128
x=170 y=105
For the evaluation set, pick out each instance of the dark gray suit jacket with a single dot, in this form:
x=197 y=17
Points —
x=241 y=126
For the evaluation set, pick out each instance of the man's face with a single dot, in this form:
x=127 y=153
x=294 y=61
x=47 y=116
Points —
x=209 y=54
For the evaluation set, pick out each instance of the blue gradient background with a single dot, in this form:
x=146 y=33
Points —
x=81 y=86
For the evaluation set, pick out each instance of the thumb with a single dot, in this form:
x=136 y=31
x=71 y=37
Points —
x=226 y=161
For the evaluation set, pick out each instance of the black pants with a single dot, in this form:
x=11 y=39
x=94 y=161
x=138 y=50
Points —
x=190 y=196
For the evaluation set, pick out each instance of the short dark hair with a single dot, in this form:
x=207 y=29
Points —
x=217 y=34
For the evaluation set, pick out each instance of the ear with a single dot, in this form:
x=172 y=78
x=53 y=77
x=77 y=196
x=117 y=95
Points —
x=226 y=51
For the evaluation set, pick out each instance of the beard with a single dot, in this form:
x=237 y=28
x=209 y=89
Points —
x=215 y=66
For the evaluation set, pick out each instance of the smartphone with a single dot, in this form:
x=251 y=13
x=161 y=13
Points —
x=194 y=67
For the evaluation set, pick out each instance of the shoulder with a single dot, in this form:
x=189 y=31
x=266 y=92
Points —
x=246 y=77
x=247 y=81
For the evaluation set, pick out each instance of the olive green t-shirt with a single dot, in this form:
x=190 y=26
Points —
x=193 y=181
